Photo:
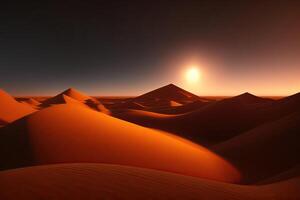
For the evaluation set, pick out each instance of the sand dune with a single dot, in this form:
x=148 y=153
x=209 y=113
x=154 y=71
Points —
x=259 y=136
x=71 y=93
x=32 y=102
x=163 y=96
x=265 y=151
x=124 y=105
x=166 y=109
x=63 y=99
x=247 y=98
x=185 y=108
x=284 y=106
x=221 y=120
x=72 y=133
x=11 y=110
x=102 y=181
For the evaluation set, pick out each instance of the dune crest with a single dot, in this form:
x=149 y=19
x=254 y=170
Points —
x=33 y=102
x=11 y=110
x=248 y=98
x=71 y=96
x=72 y=93
x=164 y=95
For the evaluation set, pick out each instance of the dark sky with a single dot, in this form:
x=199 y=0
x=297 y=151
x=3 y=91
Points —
x=127 y=48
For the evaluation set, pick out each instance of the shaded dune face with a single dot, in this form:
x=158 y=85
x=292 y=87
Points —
x=265 y=151
x=219 y=121
x=102 y=181
x=285 y=175
x=11 y=110
x=185 y=108
x=32 y=102
x=70 y=133
x=126 y=104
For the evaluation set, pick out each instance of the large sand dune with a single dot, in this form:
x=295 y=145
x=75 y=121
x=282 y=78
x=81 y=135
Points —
x=11 y=110
x=102 y=181
x=73 y=133
x=267 y=150
x=164 y=95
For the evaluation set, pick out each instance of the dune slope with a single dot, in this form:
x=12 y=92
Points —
x=102 y=181
x=265 y=151
x=11 y=110
x=73 y=133
x=221 y=120
x=32 y=102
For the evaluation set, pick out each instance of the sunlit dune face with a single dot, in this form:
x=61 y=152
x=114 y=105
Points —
x=192 y=75
x=84 y=135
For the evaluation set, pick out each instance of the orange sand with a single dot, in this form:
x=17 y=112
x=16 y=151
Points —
x=11 y=110
x=102 y=181
x=72 y=133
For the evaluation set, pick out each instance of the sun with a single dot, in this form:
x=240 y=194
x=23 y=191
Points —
x=192 y=75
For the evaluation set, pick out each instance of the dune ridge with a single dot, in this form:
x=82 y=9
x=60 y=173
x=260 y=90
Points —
x=11 y=110
x=72 y=95
x=32 y=101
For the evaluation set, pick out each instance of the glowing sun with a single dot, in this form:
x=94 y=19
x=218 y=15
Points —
x=192 y=75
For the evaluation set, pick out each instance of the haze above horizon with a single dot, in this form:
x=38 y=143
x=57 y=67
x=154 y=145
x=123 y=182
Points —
x=129 y=48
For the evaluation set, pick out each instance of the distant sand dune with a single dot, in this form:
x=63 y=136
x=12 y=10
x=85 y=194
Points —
x=11 y=110
x=184 y=108
x=73 y=96
x=166 y=94
x=221 y=120
x=32 y=102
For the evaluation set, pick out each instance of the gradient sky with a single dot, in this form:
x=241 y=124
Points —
x=128 y=48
